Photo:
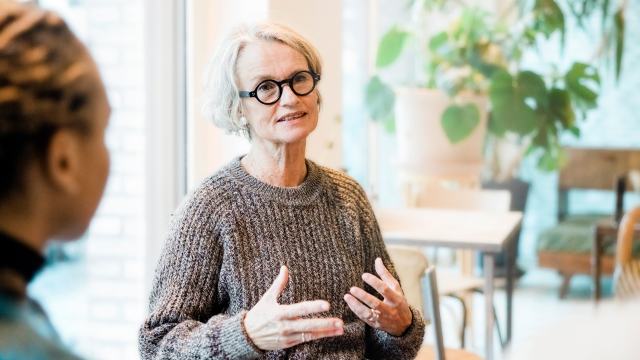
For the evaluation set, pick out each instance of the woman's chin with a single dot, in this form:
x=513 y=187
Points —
x=294 y=134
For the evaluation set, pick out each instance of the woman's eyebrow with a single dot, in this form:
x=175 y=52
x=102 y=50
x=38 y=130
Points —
x=259 y=78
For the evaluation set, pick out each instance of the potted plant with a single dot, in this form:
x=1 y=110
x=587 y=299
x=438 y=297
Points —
x=471 y=79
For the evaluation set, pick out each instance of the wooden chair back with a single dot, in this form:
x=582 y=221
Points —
x=596 y=169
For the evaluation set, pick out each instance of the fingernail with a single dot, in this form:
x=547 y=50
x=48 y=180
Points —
x=338 y=324
x=325 y=306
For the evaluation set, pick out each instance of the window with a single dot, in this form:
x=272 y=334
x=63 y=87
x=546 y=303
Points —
x=93 y=288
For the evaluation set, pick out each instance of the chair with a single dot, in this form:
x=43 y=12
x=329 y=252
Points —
x=410 y=264
x=519 y=191
x=454 y=284
x=627 y=269
x=567 y=247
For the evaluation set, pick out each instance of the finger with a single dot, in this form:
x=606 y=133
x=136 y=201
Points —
x=358 y=308
x=386 y=275
x=315 y=335
x=296 y=338
x=303 y=308
x=365 y=298
x=278 y=284
x=381 y=287
x=311 y=325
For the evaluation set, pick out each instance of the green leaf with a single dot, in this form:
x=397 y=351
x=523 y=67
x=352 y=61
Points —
x=532 y=86
x=575 y=131
x=389 y=124
x=619 y=34
x=541 y=138
x=379 y=99
x=438 y=40
x=560 y=107
x=495 y=126
x=547 y=162
x=459 y=121
x=391 y=46
x=548 y=18
x=553 y=158
x=583 y=82
x=510 y=105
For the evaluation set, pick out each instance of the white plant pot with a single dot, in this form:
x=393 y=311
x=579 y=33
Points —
x=423 y=147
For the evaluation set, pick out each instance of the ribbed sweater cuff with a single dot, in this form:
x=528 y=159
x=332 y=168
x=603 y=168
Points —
x=412 y=337
x=234 y=340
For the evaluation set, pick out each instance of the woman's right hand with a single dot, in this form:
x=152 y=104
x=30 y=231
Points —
x=272 y=326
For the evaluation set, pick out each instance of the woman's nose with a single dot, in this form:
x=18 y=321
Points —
x=288 y=96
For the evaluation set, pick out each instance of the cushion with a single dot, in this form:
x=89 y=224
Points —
x=575 y=235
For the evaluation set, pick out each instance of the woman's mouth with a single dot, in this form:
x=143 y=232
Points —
x=292 y=116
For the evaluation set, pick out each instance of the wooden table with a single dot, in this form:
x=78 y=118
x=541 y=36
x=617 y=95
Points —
x=489 y=232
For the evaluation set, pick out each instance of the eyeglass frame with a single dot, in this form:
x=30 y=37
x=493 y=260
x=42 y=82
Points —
x=289 y=81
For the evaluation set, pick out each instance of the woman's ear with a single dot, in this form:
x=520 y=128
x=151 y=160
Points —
x=62 y=161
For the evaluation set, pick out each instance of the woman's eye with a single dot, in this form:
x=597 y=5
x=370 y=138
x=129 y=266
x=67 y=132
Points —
x=300 y=78
x=268 y=86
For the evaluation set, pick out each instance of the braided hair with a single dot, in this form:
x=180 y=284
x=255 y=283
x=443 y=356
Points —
x=43 y=87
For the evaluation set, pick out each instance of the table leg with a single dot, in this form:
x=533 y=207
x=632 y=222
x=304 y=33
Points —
x=596 y=253
x=488 y=304
x=511 y=264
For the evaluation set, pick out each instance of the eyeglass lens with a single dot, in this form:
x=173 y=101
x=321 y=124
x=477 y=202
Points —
x=301 y=84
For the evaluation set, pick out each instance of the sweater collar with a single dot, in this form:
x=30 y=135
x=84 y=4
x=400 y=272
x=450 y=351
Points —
x=18 y=258
x=303 y=194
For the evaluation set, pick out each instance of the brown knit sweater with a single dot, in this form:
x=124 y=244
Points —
x=225 y=247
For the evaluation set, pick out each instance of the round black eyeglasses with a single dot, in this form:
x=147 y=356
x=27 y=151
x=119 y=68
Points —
x=268 y=92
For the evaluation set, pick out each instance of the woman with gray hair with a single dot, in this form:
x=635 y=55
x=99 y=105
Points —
x=269 y=212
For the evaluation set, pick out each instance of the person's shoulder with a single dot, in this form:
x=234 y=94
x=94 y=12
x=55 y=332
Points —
x=20 y=340
x=213 y=194
x=345 y=187
x=219 y=184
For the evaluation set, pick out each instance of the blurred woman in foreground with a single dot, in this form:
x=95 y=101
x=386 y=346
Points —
x=53 y=163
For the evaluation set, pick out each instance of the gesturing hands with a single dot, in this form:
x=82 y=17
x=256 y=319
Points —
x=272 y=326
x=392 y=315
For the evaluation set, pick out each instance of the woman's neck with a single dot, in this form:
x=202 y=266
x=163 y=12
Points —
x=282 y=166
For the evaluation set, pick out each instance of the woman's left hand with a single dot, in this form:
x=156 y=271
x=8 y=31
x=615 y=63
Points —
x=392 y=314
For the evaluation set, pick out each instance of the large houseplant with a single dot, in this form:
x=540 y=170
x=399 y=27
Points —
x=482 y=54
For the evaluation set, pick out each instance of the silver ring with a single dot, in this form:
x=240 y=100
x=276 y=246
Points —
x=304 y=337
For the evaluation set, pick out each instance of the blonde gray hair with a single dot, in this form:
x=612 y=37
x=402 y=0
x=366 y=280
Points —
x=221 y=100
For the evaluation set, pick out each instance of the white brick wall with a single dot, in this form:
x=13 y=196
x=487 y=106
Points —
x=114 y=290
